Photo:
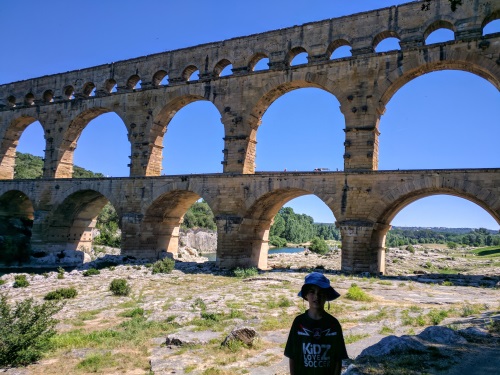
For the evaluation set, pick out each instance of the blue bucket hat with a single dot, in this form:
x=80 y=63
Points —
x=318 y=279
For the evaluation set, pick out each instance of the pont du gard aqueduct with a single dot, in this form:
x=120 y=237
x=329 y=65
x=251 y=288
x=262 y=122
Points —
x=62 y=210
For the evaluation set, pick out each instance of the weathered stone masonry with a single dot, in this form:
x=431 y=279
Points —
x=363 y=200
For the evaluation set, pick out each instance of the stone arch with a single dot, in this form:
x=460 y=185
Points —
x=295 y=51
x=162 y=220
x=69 y=139
x=48 y=96
x=29 y=99
x=69 y=226
x=109 y=84
x=436 y=25
x=257 y=220
x=158 y=77
x=219 y=67
x=160 y=124
x=255 y=59
x=132 y=82
x=88 y=88
x=9 y=144
x=335 y=45
x=187 y=72
x=410 y=70
x=69 y=92
x=384 y=35
x=397 y=198
x=16 y=223
x=492 y=17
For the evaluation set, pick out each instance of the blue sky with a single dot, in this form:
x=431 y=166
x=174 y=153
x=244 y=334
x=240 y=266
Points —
x=435 y=121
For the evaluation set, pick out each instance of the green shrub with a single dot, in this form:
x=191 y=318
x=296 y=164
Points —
x=119 y=287
x=166 y=265
x=411 y=249
x=245 y=272
x=277 y=241
x=133 y=313
x=437 y=316
x=355 y=293
x=60 y=273
x=25 y=330
x=91 y=272
x=20 y=281
x=2 y=282
x=319 y=246
x=61 y=293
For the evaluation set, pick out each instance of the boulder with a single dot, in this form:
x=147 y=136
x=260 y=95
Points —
x=393 y=345
x=246 y=335
x=441 y=335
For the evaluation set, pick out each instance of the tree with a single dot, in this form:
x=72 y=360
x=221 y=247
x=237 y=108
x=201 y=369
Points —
x=319 y=245
x=26 y=330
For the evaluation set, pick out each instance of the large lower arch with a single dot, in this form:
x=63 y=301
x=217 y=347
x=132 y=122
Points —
x=256 y=223
x=69 y=226
x=159 y=230
x=16 y=222
x=405 y=194
x=9 y=144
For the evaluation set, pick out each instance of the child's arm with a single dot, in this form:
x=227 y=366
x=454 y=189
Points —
x=292 y=366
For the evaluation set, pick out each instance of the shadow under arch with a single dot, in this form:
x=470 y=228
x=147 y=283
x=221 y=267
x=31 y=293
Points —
x=161 y=223
x=16 y=223
x=259 y=217
x=65 y=157
x=9 y=144
x=70 y=225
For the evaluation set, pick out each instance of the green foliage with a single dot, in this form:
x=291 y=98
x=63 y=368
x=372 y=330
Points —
x=2 y=282
x=134 y=313
x=355 y=293
x=60 y=273
x=436 y=316
x=61 y=293
x=466 y=237
x=91 y=272
x=245 y=272
x=165 y=265
x=298 y=228
x=107 y=223
x=319 y=245
x=20 y=281
x=29 y=167
x=277 y=241
x=199 y=215
x=25 y=330
x=119 y=287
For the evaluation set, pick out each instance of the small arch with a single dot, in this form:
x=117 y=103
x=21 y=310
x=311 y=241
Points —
x=159 y=78
x=191 y=73
x=223 y=68
x=133 y=82
x=338 y=49
x=110 y=85
x=29 y=99
x=440 y=24
x=69 y=92
x=297 y=56
x=88 y=88
x=48 y=96
x=258 y=62
x=11 y=100
x=491 y=26
x=386 y=41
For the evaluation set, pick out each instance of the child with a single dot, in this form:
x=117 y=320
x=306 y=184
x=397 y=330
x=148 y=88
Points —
x=315 y=343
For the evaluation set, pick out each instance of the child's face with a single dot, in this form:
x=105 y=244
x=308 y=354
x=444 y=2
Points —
x=316 y=297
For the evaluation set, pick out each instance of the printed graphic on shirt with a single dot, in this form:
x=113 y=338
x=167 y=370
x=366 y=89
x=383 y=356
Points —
x=316 y=333
x=316 y=355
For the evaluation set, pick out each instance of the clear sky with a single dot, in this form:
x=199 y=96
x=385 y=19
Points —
x=436 y=121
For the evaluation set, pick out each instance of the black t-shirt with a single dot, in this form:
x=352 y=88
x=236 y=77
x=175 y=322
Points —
x=316 y=346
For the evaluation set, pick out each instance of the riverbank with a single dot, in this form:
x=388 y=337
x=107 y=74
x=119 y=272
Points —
x=201 y=305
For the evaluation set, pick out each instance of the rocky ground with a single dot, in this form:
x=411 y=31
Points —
x=415 y=320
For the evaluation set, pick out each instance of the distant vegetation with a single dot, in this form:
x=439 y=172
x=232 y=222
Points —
x=451 y=237
x=30 y=166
